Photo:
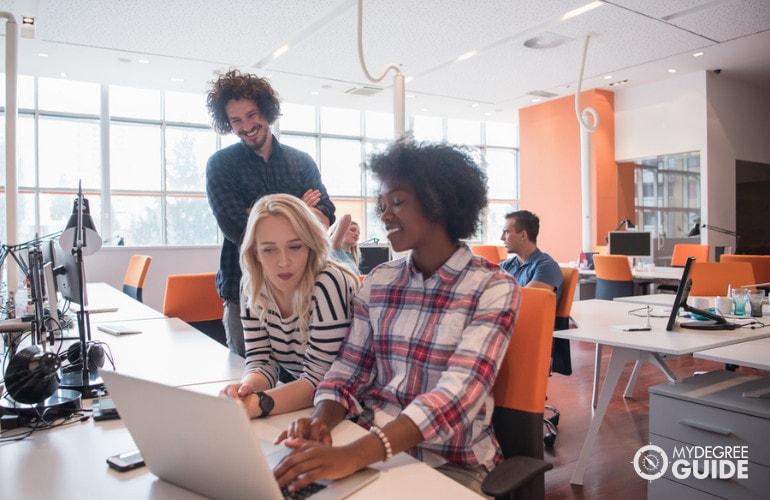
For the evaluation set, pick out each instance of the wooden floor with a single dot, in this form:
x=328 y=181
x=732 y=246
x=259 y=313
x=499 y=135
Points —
x=610 y=473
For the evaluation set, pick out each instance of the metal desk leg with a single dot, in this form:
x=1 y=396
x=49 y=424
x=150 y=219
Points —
x=629 y=392
x=597 y=375
x=618 y=359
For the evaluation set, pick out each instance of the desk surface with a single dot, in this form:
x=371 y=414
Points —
x=69 y=461
x=658 y=273
x=754 y=354
x=103 y=296
x=595 y=319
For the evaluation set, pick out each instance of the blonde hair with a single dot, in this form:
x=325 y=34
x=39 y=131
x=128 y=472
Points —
x=255 y=287
x=354 y=248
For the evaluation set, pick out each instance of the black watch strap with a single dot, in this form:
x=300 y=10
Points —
x=266 y=403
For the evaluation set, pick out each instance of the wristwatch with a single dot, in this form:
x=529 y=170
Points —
x=266 y=403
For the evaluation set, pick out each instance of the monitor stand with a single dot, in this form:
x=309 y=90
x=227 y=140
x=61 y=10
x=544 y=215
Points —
x=709 y=325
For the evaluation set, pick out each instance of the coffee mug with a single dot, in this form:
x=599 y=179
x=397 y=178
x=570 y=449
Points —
x=724 y=305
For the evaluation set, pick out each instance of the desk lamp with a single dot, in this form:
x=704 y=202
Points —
x=81 y=238
x=695 y=231
x=627 y=223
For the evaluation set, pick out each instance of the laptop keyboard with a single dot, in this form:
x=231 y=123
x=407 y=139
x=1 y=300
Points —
x=305 y=492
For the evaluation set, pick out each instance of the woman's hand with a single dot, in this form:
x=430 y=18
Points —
x=311 y=461
x=237 y=390
x=312 y=429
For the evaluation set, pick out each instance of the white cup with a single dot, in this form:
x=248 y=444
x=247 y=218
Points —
x=724 y=305
x=701 y=303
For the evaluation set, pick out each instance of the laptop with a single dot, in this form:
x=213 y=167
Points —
x=205 y=443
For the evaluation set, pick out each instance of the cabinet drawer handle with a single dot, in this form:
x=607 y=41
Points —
x=705 y=427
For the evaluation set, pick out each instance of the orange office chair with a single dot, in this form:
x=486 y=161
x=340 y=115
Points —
x=133 y=281
x=193 y=298
x=684 y=250
x=561 y=357
x=614 y=277
x=493 y=253
x=679 y=258
x=519 y=393
x=711 y=279
x=760 y=263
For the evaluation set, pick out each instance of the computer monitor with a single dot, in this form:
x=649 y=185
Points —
x=713 y=322
x=371 y=256
x=631 y=243
x=67 y=274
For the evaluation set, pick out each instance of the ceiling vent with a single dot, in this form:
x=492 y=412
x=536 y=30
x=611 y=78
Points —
x=546 y=40
x=542 y=93
x=364 y=90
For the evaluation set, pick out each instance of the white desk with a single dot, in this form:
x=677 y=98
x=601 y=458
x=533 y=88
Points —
x=102 y=296
x=754 y=354
x=666 y=300
x=171 y=352
x=595 y=319
x=69 y=462
x=657 y=274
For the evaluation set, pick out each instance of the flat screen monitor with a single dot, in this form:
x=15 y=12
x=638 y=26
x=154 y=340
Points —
x=67 y=274
x=713 y=321
x=631 y=243
x=371 y=256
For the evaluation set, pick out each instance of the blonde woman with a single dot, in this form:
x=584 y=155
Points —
x=296 y=307
x=344 y=240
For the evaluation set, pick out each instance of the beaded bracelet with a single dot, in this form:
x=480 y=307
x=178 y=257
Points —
x=385 y=441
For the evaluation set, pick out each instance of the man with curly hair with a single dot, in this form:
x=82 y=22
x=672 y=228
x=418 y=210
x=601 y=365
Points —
x=238 y=175
x=428 y=334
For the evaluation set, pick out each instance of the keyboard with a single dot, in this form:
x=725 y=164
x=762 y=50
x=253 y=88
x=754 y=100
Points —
x=305 y=492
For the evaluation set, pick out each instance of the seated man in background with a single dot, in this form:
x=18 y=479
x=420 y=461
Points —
x=530 y=266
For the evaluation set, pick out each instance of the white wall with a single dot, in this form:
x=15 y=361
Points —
x=724 y=119
x=109 y=265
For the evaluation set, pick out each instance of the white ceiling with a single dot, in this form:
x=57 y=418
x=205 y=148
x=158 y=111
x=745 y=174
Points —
x=634 y=40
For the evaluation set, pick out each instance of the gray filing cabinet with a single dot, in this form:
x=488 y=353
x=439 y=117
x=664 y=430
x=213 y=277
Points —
x=710 y=410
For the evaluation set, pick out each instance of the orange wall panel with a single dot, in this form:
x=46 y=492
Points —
x=550 y=175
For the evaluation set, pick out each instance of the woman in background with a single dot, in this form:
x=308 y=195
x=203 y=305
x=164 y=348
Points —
x=344 y=241
x=296 y=310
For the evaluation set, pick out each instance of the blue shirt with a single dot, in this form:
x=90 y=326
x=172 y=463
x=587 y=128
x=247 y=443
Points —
x=538 y=267
x=236 y=178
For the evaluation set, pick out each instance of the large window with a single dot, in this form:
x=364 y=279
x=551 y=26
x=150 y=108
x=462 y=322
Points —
x=141 y=159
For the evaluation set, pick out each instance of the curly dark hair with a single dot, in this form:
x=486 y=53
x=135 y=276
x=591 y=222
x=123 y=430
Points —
x=237 y=85
x=449 y=185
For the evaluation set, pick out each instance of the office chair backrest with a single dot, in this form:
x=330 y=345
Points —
x=760 y=263
x=614 y=277
x=193 y=297
x=493 y=253
x=564 y=307
x=561 y=354
x=520 y=388
x=133 y=281
x=711 y=279
x=684 y=250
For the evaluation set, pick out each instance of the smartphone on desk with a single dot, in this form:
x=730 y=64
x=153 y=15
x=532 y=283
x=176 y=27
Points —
x=126 y=461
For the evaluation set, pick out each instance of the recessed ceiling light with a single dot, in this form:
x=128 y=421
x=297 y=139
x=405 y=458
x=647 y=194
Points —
x=143 y=61
x=467 y=55
x=42 y=54
x=176 y=79
x=410 y=96
x=536 y=100
x=280 y=51
x=475 y=105
x=672 y=70
x=63 y=74
x=621 y=82
x=608 y=77
x=313 y=92
x=697 y=54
